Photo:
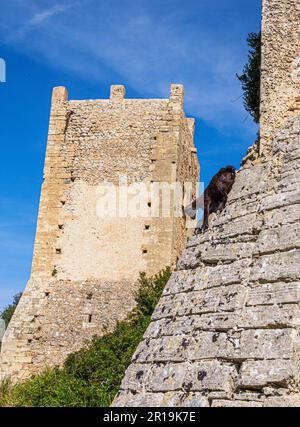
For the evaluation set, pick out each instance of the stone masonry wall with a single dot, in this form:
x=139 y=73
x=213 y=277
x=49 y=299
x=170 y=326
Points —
x=280 y=87
x=226 y=330
x=85 y=268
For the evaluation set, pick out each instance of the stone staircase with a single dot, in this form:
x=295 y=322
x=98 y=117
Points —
x=226 y=330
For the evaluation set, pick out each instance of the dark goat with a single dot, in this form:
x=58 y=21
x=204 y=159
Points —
x=215 y=195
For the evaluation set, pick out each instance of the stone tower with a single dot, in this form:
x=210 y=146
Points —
x=280 y=66
x=85 y=266
x=226 y=331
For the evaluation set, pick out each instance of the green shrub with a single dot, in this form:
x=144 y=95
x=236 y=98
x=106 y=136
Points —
x=92 y=376
x=250 y=79
x=8 y=312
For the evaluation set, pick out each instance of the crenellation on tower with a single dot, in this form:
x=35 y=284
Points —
x=117 y=92
x=177 y=96
x=59 y=93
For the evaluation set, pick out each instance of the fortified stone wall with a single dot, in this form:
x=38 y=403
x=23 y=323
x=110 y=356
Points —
x=280 y=87
x=226 y=330
x=85 y=267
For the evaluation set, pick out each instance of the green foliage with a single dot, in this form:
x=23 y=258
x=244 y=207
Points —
x=150 y=288
x=8 y=312
x=250 y=78
x=92 y=376
x=51 y=388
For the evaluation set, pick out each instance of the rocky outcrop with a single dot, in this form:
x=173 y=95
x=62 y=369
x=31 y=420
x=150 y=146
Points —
x=226 y=330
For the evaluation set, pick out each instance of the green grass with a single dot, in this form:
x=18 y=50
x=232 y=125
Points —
x=92 y=376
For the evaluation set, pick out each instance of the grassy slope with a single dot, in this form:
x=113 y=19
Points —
x=92 y=376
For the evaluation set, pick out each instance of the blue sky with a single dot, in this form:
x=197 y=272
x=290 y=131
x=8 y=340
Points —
x=87 y=45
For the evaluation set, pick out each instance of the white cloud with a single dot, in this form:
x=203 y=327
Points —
x=40 y=17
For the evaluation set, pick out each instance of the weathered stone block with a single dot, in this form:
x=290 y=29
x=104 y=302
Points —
x=257 y=374
x=185 y=400
x=283 y=402
x=169 y=377
x=180 y=281
x=209 y=345
x=144 y=400
x=274 y=201
x=210 y=376
x=226 y=252
x=279 y=239
x=277 y=267
x=168 y=306
x=272 y=316
x=274 y=293
x=226 y=298
x=248 y=182
x=239 y=226
x=235 y=404
x=191 y=258
x=136 y=377
x=163 y=349
x=268 y=344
